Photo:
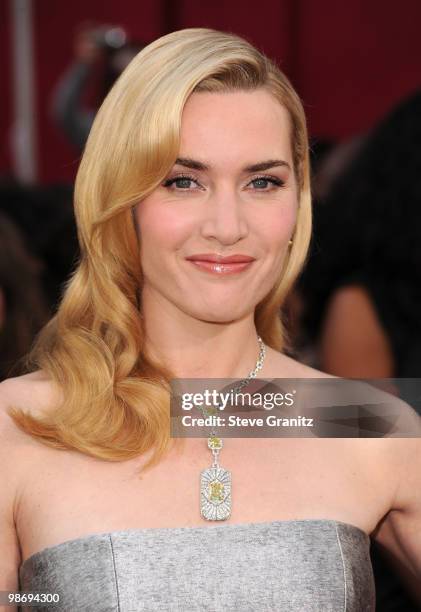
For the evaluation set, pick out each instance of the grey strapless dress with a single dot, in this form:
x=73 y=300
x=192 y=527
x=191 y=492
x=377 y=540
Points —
x=292 y=566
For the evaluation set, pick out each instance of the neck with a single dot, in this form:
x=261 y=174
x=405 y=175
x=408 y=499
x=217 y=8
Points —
x=191 y=348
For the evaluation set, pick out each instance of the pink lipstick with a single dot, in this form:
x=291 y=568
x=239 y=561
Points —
x=220 y=265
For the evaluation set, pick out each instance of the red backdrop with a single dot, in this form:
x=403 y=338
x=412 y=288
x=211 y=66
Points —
x=350 y=61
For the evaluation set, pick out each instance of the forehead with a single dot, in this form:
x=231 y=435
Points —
x=230 y=128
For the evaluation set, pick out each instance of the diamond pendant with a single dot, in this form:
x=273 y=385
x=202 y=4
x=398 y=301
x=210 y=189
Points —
x=215 y=487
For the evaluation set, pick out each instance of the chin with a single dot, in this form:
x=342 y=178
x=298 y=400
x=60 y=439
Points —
x=221 y=313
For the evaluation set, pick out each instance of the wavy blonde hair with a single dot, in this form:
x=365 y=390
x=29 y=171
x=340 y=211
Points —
x=114 y=397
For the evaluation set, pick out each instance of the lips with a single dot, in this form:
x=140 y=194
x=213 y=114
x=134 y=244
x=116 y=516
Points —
x=219 y=264
x=214 y=258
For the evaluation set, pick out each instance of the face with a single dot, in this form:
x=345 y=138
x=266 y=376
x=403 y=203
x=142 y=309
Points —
x=214 y=234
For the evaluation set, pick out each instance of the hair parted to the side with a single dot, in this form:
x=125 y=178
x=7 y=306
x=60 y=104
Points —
x=115 y=399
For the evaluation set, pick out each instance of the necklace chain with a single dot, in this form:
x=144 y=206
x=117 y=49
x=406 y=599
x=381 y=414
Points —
x=257 y=368
x=249 y=377
x=215 y=482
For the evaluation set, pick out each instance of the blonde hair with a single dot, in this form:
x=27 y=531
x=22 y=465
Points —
x=114 y=397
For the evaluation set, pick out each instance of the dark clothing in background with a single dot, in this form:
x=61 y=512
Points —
x=367 y=232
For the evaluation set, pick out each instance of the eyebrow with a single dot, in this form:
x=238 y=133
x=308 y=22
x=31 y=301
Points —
x=193 y=164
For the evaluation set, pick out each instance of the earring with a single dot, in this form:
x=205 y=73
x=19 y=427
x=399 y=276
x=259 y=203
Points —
x=290 y=242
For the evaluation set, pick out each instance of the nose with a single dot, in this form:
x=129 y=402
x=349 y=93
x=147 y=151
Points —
x=225 y=219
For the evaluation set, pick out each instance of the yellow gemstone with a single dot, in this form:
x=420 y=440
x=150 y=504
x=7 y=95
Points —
x=214 y=442
x=216 y=491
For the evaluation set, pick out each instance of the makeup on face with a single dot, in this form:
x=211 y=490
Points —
x=214 y=263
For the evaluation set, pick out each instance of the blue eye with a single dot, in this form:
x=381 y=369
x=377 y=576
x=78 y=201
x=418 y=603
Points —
x=267 y=179
x=181 y=182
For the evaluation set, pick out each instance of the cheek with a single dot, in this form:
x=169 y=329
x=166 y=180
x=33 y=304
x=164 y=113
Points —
x=278 y=226
x=160 y=228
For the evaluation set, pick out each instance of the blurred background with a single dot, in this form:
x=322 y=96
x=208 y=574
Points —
x=351 y=61
x=356 y=65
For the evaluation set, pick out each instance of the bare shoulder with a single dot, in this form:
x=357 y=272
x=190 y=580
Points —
x=22 y=387
x=34 y=393
x=31 y=392
x=393 y=456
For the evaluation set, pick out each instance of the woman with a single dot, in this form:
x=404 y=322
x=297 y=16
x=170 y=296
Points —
x=198 y=154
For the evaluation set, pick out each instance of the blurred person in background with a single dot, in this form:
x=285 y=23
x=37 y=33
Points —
x=329 y=160
x=362 y=283
x=104 y=50
x=360 y=293
x=23 y=309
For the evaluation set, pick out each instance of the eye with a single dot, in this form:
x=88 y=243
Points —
x=261 y=182
x=181 y=183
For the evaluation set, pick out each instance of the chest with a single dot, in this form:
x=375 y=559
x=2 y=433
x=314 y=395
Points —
x=68 y=495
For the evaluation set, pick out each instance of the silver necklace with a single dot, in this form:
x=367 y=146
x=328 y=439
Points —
x=215 y=481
